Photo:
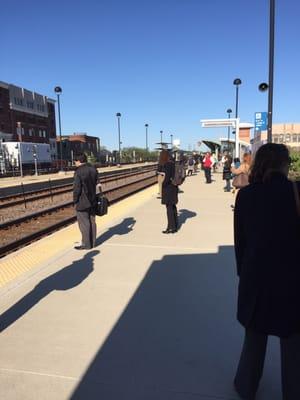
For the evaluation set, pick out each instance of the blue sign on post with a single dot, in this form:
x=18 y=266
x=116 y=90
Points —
x=261 y=121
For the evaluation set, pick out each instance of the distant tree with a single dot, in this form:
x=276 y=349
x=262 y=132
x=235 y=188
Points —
x=137 y=154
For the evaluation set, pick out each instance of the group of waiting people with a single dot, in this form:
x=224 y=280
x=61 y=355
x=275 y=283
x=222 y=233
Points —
x=266 y=237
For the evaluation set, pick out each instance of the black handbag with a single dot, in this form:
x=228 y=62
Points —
x=102 y=204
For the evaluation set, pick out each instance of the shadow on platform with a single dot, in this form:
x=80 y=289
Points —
x=123 y=228
x=64 y=279
x=178 y=338
x=184 y=215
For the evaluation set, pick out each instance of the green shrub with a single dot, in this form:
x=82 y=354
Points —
x=295 y=166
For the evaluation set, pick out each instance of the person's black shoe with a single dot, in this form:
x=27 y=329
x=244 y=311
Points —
x=166 y=231
x=82 y=248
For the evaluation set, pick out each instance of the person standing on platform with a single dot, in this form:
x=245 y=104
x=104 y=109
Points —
x=207 y=165
x=267 y=237
x=191 y=166
x=241 y=174
x=169 y=192
x=84 y=196
x=214 y=162
x=244 y=167
x=160 y=176
x=227 y=173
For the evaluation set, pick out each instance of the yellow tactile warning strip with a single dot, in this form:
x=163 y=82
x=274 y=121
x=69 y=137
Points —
x=39 y=252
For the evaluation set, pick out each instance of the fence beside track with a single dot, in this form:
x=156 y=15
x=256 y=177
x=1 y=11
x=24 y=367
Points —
x=22 y=231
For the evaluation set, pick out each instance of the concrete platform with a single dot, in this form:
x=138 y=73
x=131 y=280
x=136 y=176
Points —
x=143 y=316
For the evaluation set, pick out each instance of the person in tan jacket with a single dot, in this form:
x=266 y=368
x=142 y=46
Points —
x=244 y=168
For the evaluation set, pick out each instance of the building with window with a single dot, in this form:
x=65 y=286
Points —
x=26 y=116
x=79 y=143
x=288 y=134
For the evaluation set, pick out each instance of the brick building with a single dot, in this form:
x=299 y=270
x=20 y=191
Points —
x=26 y=116
x=79 y=143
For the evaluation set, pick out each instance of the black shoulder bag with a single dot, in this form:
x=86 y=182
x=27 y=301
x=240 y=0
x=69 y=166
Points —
x=102 y=204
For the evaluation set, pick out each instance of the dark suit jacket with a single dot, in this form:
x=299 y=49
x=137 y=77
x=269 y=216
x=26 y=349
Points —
x=169 y=191
x=84 y=190
x=267 y=239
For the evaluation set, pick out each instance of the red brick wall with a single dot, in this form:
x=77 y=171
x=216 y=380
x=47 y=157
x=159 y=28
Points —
x=9 y=119
x=5 y=120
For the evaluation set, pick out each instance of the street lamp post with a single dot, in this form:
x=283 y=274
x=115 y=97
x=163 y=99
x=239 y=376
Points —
x=237 y=82
x=34 y=153
x=171 y=141
x=263 y=87
x=19 y=131
x=161 y=137
x=146 y=126
x=58 y=91
x=2 y=157
x=271 y=69
x=118 y=115
x=229 y=111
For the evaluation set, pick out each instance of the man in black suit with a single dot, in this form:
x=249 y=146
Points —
x=84 y=195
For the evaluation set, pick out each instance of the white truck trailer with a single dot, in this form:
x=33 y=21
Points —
x=27 y=153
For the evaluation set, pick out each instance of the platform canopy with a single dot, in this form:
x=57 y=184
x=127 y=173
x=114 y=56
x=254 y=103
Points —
x=213 y=145
x=225 y=122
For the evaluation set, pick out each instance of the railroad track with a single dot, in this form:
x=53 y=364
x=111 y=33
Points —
x=51 y=191
x=21 y=231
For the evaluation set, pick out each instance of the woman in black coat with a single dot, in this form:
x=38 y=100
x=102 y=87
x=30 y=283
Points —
x=169 y=192
x=267 y=238
x=227 y=173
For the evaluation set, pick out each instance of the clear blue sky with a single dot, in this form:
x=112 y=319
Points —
x=168 y=63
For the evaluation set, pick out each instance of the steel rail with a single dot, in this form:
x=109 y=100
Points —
x=114 y=194
x=62 y=189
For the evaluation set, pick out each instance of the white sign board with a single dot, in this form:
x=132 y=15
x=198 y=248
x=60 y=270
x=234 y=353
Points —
x=218 y=123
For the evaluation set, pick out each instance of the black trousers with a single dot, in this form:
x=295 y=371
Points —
x=87 y=226
x=228 y=186
x=252 y=360
x=172 y=217
x=207 y=172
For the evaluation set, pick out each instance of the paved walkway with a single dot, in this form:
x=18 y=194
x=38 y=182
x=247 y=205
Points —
x=144 y=316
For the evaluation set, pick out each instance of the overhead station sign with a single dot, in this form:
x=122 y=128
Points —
x=261 y=121
x=225 y=122
x=218 y=123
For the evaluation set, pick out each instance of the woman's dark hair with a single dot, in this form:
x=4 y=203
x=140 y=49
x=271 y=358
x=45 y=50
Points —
x=81 y=157
x=269 y=159
x=229 y=159
x=236 y=160
x=164 y=157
